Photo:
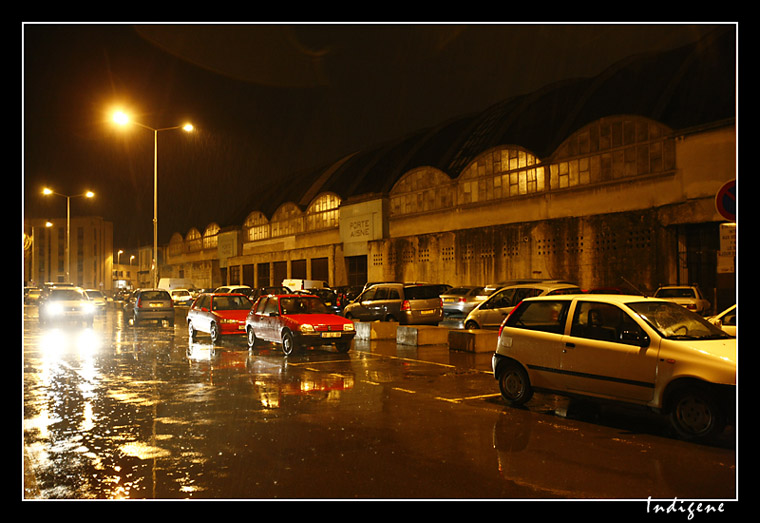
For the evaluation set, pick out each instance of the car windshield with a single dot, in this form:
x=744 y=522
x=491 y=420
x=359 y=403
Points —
x=94 y=294
x=675 y=322
x=180 y=293
x=231 y=303
x=302 y=305
x=421 y=292
x=66 y=294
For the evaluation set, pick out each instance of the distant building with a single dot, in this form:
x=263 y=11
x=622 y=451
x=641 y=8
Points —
x=607 y=181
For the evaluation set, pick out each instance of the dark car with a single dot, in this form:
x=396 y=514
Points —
x=264 y=291
x=66 y=304
x=408 y=304
x=149 y=305
x=218 y=314
x=296 y=321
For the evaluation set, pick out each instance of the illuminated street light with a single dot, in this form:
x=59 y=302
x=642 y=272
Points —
x=88 y=194
x=122 y=118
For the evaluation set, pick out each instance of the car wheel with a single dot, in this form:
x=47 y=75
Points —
x=215 y=334
x=288 y=343
x=695 y=414
x=251 y=337
x=471 y=325
x=343 y=347
x=134 y=319
x=514 y=384
x=191 y=330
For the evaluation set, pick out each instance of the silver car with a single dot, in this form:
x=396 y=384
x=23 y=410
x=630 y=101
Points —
x=490 y=313
x=408 y=304
x=66 y=304
x=149 y=305
x=459 y=301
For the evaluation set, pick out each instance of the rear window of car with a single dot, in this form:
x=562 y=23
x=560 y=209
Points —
x=155 y=295
x=421 y=292
x=675 y=293
x=545 y=316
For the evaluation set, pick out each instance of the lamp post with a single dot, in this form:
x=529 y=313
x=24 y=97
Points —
x=123 y=119
x=88 y=194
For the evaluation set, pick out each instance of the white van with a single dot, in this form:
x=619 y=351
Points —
x=169 y=284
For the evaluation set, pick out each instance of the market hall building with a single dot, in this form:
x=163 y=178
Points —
x=609 y=182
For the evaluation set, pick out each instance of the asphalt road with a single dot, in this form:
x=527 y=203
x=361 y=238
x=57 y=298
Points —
x=123 y=412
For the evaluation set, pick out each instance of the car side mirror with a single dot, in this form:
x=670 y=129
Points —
x=635 y=337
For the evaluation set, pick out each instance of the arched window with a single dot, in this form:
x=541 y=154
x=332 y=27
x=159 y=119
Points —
x=176 y=244
x=323 y=212
x=501 y=172
x=287 y=220
x=193 y=240
x=610 y=149
x=420 y=190
x=210 y=236
x=256 y=227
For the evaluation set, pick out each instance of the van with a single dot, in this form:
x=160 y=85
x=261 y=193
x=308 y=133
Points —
x=302 y=285
x=169 y=284
x=408 y=304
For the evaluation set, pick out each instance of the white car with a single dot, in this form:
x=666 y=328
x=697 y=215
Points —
x=688 y=296
x=628 y=349
x=181 y=297
x=726 y=320
x=63 y=304
x=490 y=314
x=97 y=299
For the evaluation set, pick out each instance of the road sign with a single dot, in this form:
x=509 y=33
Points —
x=725 y=201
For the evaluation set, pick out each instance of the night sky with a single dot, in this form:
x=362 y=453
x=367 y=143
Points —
x=266 y=101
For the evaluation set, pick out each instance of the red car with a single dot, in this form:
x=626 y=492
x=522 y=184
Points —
x=295 y=321
x=218 y=314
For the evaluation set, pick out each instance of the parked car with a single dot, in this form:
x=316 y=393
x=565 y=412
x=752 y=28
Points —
x=726 y=320
x=490 y=313
x=218 y=314
x=330 y=298
x=460 y=301
x=149 y=305
x=296 y=321
x=628 y=349
x=64 y=304
x=264 y=291
x=181 y=297
x=405 y=303
x=97 y=298
x=245 y=290
x=32 y=295
x=688 y=296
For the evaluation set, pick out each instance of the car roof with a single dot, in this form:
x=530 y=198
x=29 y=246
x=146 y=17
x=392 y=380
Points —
x=541 y=285
x=606 y=298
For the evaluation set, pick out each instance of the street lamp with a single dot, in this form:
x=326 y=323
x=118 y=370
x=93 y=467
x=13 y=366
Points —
x=122 y=118
x=88 y=194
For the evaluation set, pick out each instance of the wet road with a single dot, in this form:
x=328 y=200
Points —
x=122 y=412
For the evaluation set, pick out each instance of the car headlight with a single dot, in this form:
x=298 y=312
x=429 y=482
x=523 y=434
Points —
x=348 y=326
x=54 y=309
x=306 y=327
x=88 y=308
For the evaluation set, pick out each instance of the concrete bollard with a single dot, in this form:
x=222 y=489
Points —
x=473 y=340
x=375 y=330
x=422 y=335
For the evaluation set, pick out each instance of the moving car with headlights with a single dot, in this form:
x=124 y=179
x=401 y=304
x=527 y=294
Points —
x=490 y=313
x=621 y=348
x=149 y=305
x=459 y=301
x=97 y=299
x=408 y=304
x=218 y=314
x=688 y=296
x=297 y=321
x=64 y=304
x=726 y=320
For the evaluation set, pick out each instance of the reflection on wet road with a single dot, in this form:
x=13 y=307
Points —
x=123 y=412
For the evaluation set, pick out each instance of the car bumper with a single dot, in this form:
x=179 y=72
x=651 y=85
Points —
x=154 y=314
x=323 y=338
x=422 y=317
x=227 y=329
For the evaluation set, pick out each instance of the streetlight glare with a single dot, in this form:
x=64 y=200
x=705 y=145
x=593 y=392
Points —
x=46 y=191
x=120 y=117
x=89 y=194
x=188 y=127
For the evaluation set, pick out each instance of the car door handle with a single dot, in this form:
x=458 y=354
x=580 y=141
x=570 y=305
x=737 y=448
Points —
x=570 y=345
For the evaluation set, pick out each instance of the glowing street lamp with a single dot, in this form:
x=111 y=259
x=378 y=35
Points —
x=89 y=194
x=122 y=118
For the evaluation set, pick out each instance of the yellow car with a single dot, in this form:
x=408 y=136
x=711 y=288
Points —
x=628 y=349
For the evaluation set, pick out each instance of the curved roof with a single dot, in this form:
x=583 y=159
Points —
x=690 y=86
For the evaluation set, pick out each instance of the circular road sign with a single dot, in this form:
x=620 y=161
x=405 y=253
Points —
x=725 y=201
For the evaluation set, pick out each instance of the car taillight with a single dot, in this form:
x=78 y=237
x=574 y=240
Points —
x=139 y=302
x=462 y=300
x=405 y=306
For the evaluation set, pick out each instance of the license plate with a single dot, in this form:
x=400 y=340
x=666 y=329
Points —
x=331 y=334
x=155 y=305
x=430 y=311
